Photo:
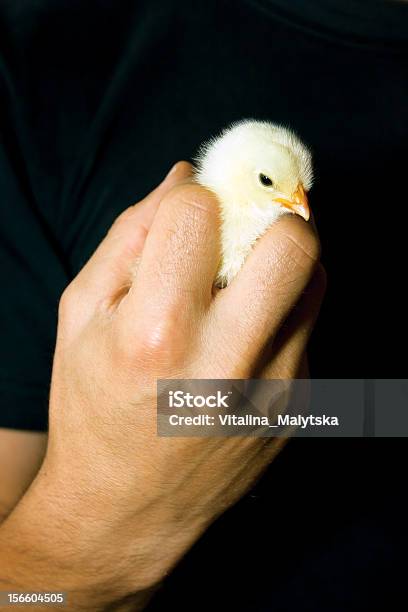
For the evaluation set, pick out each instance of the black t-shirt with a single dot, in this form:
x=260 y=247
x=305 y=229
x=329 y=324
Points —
x=97 y=100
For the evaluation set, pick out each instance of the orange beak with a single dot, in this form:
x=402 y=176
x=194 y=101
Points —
x=298 y=205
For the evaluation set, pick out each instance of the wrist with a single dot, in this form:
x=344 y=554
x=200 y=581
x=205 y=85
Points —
x=128 y=544
x=52 y=541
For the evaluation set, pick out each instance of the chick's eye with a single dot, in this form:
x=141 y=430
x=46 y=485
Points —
x=265 y=180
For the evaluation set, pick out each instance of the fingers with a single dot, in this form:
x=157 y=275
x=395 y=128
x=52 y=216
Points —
x=110 y=270
x=180 y=257
x=252 y=309
x=289 y=347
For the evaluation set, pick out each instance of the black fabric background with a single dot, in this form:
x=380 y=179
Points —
x=97 y=101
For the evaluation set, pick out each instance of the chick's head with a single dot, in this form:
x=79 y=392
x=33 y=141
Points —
x=257 y=163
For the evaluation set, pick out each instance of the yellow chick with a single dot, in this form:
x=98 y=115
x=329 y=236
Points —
x=259 y=171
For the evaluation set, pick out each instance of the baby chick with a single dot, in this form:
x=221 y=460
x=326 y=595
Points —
x=259 y=171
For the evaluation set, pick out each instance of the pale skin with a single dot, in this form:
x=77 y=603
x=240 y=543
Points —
x=106 y=508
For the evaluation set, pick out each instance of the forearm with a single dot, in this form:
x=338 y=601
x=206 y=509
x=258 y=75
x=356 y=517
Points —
x=46 y=545
x=21 y=455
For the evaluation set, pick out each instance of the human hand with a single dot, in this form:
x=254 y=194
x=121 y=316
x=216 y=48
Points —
x=144 y=308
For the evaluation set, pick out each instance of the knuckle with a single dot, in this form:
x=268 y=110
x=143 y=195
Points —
x=302 y=241
x=297 y=253
x=155 y=346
